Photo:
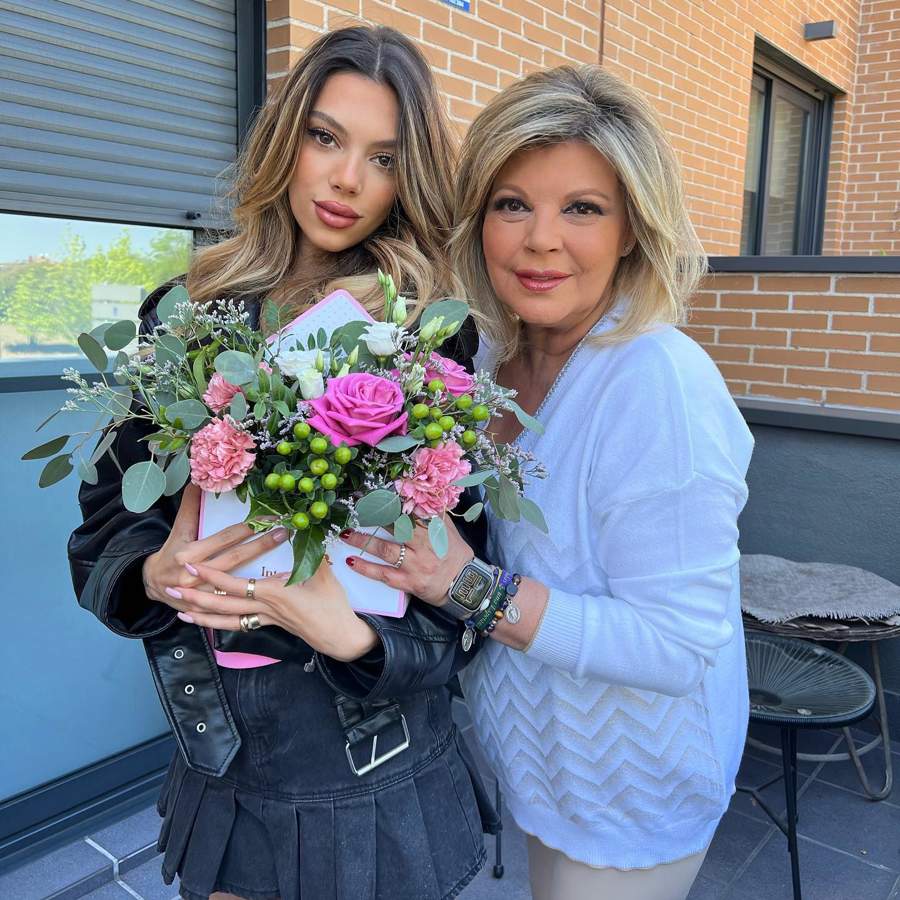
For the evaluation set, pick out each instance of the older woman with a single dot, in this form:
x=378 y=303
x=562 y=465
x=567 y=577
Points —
x=611 y=698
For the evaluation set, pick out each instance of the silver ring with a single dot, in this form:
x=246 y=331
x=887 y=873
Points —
x=219 y=592
x=245 y=623
x=402 y=556
x=251 y=589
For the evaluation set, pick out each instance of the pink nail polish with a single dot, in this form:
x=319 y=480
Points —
x=191 y=569
x=185 y=618
x=173 y=593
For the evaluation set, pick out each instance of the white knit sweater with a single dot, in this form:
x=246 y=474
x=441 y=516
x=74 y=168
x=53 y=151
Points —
x=617 y=736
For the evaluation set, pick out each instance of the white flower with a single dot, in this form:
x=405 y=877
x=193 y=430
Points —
x=398 y=315
x=382 y=338
x=293 y=362
x=311 y=384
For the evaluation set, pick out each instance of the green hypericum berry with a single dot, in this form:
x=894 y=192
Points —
x=446 y=422
x=300 y=521
x=318 y=466
x=434 y=444
x=318 y=510
x=433 y=431
x=420 y=411
x=273 y=481
x=464 y=402
x=301 y=431
x=436 y=385
x=307 y=485
x=481 y=413
x=343 y=455
x=436 y=412
x=284 y=448
x=329 y=481
x=318 y=445
x=469 y=438
x=287 y=482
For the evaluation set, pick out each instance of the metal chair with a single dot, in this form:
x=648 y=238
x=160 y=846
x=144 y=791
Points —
x=795 y=684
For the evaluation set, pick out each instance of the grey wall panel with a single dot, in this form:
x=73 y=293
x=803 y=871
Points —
x=118 y=109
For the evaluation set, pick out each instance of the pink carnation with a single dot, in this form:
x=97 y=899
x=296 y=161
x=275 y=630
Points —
x=456 y=379
x=220 y=393
x=359 y=409
x=428 y=490
x=220 y=456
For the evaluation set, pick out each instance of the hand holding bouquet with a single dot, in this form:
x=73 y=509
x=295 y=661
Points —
x=368 y=426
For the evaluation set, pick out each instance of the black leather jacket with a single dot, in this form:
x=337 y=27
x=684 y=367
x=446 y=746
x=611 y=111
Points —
x=106 y=554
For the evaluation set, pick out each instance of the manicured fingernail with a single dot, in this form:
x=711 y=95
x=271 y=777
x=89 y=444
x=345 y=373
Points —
x=191 y=569
x=345 y=534
x=185 y=618
x=351 y=561
x=173 y=593
x=279 y=535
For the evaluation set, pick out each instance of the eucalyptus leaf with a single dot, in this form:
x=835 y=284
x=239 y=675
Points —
x=508 y=503
x=98 y=332
x=42 y=451
x=170 y=349
x=177 y=472
x=121 y=360
x=453 y=311
x=532 y=513
x=103 y=445
x=309 y=549
x=120 y=335
x=527 y=421
x=437 y=535
x=475 y=478
x=187 y=414
x=380 y=507
x=87 y=471
x=473 y=512
x=52 y=415
x=142 y=485
x=238 y=407
x=55 y=470
x=93 y=351
x=403 y=529
x=397 y=443
x=165 y=309
x=198 y=370
x=236 y=366
x=492 y=492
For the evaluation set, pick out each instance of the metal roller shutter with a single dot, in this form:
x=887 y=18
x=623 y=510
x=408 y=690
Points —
x=118 y=109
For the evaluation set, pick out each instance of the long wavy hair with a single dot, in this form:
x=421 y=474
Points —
x=583 y=103
x=259 y=256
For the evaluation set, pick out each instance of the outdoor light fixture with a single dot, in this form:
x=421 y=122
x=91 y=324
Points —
x=819 y=31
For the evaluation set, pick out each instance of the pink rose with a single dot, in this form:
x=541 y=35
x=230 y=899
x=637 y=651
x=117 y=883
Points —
x=220 y=456
x=359 y=409
x=220 y=393
x=428 y=490
x=456 y=379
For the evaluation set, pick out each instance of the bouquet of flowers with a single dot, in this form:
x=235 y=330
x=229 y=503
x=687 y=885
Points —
x=368 y=426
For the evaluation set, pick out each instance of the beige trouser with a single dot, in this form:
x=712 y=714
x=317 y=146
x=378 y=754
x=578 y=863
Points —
x=556 y=877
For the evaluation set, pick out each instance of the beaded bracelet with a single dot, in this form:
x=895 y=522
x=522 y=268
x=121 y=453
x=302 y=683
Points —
x=508 y=608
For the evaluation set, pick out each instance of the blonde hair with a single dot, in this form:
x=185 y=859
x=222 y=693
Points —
x=584 y=103
x=259 y=257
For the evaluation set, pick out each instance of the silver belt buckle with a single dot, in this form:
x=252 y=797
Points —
x=375 y=761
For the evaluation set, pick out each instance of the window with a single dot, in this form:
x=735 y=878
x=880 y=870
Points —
x=60 y=277
x=786 y=166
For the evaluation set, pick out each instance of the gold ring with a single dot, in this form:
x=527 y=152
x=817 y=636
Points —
x=251 y=589
x=253 y=622
x=245 y=623
x=219 y=592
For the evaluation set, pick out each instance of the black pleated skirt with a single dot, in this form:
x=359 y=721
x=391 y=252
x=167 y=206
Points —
x=289 y=819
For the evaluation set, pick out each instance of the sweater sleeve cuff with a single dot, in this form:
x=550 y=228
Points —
x=557 y=641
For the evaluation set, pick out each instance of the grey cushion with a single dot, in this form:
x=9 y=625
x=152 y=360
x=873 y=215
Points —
x=777 y=590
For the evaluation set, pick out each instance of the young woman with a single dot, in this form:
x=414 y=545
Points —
x=280 y=789
x=612 y=705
